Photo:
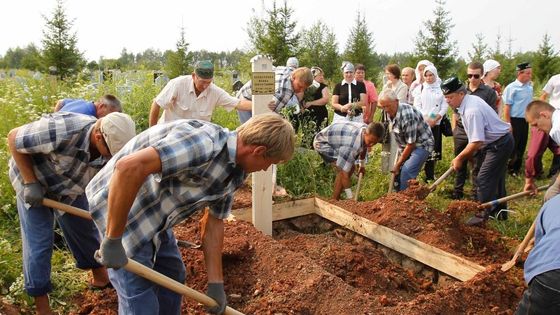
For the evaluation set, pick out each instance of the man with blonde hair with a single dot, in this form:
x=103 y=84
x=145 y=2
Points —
x=165 y=175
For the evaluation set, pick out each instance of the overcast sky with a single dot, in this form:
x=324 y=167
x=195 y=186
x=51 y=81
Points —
x=105 y=27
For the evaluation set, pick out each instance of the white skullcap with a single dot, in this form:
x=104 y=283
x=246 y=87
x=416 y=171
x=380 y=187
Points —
x=117 y=129
x=490 y=65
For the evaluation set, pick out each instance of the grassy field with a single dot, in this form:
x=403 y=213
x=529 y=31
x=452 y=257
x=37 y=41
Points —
x=24 y=99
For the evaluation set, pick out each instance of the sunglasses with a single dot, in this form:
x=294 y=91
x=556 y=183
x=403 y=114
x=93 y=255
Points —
x=476 y=76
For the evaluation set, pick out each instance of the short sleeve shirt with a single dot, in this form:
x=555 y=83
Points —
x=179 y=101
x=555 y=130
x=409 y=127
x=552 y=88
x=518 y=95
x=341 y=143
x=283 y=92
x=78 y=106
x=58 y=145
x=198 y=170
x=481 y=122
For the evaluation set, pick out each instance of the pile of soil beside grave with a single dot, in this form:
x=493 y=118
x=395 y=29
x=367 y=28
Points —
x=446 y=230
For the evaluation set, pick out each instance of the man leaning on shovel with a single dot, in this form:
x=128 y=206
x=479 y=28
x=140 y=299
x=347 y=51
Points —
x=54 y=157
x=163 y=176
x=487 y=133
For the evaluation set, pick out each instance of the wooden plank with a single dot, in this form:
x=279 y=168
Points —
x=457 y=267
x=280 y=211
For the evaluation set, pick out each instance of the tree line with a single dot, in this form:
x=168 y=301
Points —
x=275 y=32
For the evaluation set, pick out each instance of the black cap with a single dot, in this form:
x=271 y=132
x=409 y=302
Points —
x=204 y=69
x=522 y=66
x=451 y=85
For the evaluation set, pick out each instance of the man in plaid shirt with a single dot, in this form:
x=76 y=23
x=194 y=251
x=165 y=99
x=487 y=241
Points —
x=163 y=176
x=54 y=157
x=288 y=82
x=341 y=144
x=413 y=136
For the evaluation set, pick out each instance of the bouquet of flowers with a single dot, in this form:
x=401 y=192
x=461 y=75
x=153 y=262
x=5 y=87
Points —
x=354 y=106
x=309 y=93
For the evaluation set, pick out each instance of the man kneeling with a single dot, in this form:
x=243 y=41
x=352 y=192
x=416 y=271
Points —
x=341 y=143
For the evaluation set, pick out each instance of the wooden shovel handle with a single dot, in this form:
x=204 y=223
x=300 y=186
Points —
x=510 y=197
x=360 y=176
x=144 y=271
x=441 y=178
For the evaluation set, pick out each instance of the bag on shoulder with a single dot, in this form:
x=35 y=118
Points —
x=445 y=126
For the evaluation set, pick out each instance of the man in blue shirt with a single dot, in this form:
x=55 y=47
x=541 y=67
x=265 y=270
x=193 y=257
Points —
x=342 y=143
x=517 y=96
x=165 y=175
x=489 y=134
x=542 y=267
x=105 y=105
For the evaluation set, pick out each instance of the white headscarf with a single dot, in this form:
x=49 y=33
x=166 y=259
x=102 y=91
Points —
x=417 y=70
x=437 y=81
x=490 y=65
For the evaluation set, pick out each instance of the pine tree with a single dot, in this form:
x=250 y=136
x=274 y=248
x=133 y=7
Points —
x=479 y=49
x=545 y=63
x=274 y=35
x=178 y=62
x=59 y=44
x=318 y=47
x=360 y=46
x=436 y=44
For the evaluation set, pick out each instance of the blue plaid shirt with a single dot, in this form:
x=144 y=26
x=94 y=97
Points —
x=341 y=142
x=409 y=127
x=197 y=170
x=58 y=145
x=283 y=88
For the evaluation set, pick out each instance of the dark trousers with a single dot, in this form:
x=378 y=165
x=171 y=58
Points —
x=540 y=141
x=460 y=142
x=542 y=296
x=430 y=165
x=520 y=135
x=491 y=179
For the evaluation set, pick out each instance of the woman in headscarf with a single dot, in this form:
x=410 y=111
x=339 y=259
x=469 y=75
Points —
x=315 y=100
x=414 y=88
x=431 y=103
x=393 y=75
x=492 y=70
x=349 y=97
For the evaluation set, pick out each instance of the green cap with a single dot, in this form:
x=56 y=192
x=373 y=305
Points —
x=204 y=69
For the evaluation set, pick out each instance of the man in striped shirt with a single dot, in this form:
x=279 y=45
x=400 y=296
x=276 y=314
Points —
x=166 y=174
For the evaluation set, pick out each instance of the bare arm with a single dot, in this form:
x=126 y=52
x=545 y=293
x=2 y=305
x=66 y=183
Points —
x=129 y=175
x=244 y=104
x=212 y=245
x=507 y=113
x=322 y=101
x=58 y=105
x=544 y=96
x=336 y=105
x=154 y=114
x=23 y=161
x=404 y=156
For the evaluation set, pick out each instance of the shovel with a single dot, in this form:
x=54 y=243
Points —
x=507 y=266
x=441 y=179
x=360 y=176
x=393 y=175
x=492 y=203
x=143 y=271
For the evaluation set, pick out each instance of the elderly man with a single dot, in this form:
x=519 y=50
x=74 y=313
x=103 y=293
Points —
x=52 y=158
x=407 y=76
x=193 y=97
x=288 y=83
x=165 y=175
x=475 y=87
x=105 y=105
x=489 y=134
x=341 y=143
x=516 y=97
x=413 y=135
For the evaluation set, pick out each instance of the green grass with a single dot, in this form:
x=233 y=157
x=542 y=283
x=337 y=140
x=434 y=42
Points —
x=303 y=176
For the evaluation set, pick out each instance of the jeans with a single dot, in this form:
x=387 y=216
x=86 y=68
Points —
x=141 y=296
x=542 y=296
x=412 y=166
x=37 y=241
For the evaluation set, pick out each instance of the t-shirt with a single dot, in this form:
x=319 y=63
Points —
x=552 y=88
x=78 y=106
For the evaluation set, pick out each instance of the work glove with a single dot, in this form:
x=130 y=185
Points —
x=216 y=291
x=111 y=253
x=33 y=194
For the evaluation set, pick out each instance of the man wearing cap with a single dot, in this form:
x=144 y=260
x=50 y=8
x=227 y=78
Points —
x=52 y=158
x=193 y=97
x=517 y=96
x=412 y=133
x=165 y=175
x=105 y=105
x=489 y=134
x=475 y=87
x=288 y=83
x=341 y=144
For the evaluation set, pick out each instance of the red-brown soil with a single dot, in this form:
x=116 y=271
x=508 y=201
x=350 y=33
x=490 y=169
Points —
x=322 y=274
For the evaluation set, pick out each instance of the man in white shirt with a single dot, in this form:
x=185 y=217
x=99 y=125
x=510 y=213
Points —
x=193 y=97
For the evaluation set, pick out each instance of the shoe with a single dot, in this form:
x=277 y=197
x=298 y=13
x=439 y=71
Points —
x=92 y=287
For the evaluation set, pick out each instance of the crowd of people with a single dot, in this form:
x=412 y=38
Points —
x=137 y=187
